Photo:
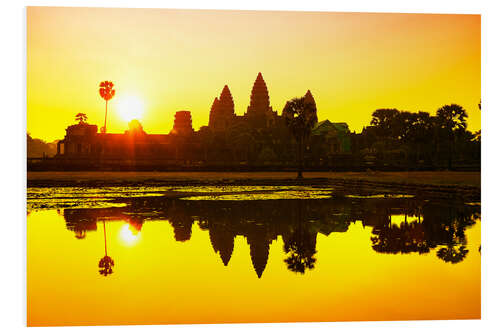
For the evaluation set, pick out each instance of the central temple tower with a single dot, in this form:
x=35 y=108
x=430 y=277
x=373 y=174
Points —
x=259 y=112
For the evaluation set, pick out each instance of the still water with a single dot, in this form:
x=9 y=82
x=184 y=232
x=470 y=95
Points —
x=111 y=256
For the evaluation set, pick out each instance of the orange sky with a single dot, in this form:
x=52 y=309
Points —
x=175 y=60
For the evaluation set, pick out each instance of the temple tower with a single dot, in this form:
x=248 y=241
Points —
x=259 y=112
x=182 y=123
x=222 y=113
x=226 y=103
x=308 y=97
x=213 y=112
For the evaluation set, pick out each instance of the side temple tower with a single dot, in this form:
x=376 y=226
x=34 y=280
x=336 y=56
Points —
x=222 y=112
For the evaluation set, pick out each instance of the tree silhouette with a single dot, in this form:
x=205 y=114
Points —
x=384 y=122
x=477 y=135
x=451 y=119
x=300 y=256
x=300 y=243
x=107 y=92
x=106 y=266
x=452 y=254
x=300 y=117
x=81 y=118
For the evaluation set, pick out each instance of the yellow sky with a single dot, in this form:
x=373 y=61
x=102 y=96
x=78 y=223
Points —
x=177 y=60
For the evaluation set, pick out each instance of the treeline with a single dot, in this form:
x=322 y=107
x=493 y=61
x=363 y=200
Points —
x=419 y=140
x=40 y=148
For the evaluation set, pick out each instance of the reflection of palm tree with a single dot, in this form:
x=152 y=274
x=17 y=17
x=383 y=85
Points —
x=299 y=260
x=451 y=254
x=106 y=263
x=406 y=238
x=80 y=233
x=301 y=248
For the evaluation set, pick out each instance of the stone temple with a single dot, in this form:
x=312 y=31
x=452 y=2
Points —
x=258 y=138
x=259 y=113
x=182 y=123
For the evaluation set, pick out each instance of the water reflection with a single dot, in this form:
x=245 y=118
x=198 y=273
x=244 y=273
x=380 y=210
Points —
x=398 y=225
x=106 y=264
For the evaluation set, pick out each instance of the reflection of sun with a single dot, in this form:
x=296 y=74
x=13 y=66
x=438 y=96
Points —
x=128 y=236
x=130 y=107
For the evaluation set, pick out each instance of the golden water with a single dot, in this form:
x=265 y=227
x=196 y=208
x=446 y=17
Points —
x=169 y=262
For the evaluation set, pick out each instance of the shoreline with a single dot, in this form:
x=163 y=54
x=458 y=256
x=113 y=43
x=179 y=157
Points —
x=429 y=184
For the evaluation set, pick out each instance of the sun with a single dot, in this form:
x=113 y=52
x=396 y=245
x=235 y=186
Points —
x=127 y=236
x=130 y=107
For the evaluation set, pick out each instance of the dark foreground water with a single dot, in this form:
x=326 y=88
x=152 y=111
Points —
x=122 y=255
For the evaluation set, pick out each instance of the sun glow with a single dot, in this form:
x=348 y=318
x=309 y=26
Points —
x=127 y=236
x=130 y=107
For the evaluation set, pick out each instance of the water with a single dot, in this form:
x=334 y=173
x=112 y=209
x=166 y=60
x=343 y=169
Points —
x=247 y=254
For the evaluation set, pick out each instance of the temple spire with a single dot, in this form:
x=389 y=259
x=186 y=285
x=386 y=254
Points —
x=259 y=99
x=309 y=98
x=226 y=103
x=259 y=112
x=213 y=111
x=222 y=112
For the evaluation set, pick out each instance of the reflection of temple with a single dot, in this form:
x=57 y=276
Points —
x=182 y=223
x=423 y=225
x=257 y=138
x=426 y=226
x=259 y=241
x=81 y=220
x=222 y=239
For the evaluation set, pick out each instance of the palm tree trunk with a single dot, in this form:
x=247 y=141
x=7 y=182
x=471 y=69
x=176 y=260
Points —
x=106 y=116
x=301 y=158
x=418 y=155
x=105 y=244
x=450 y=152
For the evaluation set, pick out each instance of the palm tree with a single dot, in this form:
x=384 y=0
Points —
x=81 y=118
x=106 y=263
x=300 y=116
x=451 y=119
x=107 y=92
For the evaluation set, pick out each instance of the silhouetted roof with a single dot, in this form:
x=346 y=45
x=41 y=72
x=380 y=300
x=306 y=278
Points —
x=326 y=126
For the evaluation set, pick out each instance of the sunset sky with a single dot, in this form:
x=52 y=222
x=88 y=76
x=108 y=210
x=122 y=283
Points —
x=163 y=61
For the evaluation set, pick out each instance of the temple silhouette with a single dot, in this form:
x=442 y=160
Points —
x=426 y=226
x=258 y=138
